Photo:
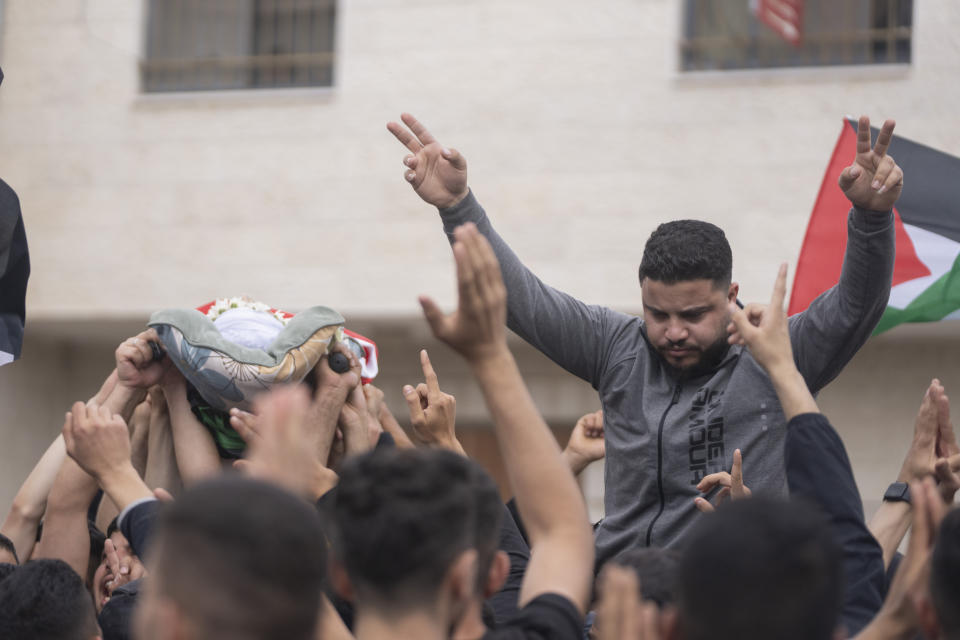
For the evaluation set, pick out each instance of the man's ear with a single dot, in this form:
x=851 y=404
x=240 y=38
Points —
x=341 y=581
x=461 y=580
x=733 y=291
x=499 y=570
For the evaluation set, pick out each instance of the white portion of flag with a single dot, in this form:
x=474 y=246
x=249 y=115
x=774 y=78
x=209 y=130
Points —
x=937 y=252
x=5 y=358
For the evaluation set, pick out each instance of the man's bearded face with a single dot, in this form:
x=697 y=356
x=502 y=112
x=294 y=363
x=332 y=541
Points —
x=687 y=321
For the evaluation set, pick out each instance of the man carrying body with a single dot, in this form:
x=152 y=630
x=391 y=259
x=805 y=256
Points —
x=677 y=400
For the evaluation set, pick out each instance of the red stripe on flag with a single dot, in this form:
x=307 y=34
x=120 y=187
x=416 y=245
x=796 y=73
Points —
x=821 y=256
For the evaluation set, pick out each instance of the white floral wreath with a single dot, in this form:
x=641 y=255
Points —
x=222 y=305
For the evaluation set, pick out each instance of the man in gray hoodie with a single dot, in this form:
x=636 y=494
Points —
x=677 y=398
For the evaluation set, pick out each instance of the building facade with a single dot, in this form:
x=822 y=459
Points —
x=156 y=170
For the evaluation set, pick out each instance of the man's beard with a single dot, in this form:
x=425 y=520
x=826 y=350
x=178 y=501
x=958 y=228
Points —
x=709 y=359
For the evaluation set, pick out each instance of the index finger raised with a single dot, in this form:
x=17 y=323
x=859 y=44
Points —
x=863 y=135
x=429 y=375
x=113 y=559
x=736 y=474
x=779 y=288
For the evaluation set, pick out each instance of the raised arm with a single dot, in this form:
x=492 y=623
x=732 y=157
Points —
x=100 y=443
x=817 y=466
x=23 y=519
x=568 y=331
x=764 y=330
x=839 y=321
x=547 y=494
x=65 y=533
x=193 y=446
x=891 y=521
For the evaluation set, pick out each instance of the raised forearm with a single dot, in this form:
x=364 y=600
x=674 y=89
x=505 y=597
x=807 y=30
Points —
x=547 y=493
x=65 y=534
x=795 y=398
x=28 y=506
x=196 y=454
x=889 y=525
x=124 y=486
x=565 y=329
x=888 y=626
x=122 y=400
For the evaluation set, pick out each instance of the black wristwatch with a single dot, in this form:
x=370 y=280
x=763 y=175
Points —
x=897 y=492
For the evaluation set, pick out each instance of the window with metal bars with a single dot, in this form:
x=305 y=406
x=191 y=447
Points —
x=214 y=45
x=725 y=35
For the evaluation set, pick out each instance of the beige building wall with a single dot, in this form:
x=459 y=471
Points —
x=580 y=134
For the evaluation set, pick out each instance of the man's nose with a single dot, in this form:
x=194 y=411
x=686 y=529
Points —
x=676 y=332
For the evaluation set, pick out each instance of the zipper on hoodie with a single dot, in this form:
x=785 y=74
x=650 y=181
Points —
x=663 y=419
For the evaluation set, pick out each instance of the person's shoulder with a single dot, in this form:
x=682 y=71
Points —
x=550 y=616
x=8 y=195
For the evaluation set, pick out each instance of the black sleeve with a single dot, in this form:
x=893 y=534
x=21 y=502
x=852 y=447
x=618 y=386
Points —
x=547 y=617
x=504 y=602
x=818 y=470
x=137 y=526
x=512 y=507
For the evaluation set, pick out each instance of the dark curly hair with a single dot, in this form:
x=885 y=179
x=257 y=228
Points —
x=687 y=250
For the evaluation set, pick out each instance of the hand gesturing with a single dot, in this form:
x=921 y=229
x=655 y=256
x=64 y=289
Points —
x=438 y=174
x=873 y=181
x=477 y=329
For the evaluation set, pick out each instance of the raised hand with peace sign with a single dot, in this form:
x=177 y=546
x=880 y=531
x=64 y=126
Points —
x=438 y=174
x=873 y=181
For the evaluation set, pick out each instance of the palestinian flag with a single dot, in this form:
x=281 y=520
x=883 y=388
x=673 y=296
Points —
x=926 y=271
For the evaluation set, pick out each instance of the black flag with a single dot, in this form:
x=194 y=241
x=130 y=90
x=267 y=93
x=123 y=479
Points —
x=14 y=271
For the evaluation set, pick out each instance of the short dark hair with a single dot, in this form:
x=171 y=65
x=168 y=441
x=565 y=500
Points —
x=7 y=543
x=6 y=569
x=657 y=569
x=761 y=568
x=242 y=559
x=402 y=516
x=687 y=250
x=945 y=575
x=46 y=600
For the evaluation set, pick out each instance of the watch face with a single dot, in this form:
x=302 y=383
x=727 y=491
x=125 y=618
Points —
x=898 y=491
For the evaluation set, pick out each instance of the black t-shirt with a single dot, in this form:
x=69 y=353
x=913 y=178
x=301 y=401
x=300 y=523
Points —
x=547 y=617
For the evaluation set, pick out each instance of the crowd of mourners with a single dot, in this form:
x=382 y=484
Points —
x=731 y=508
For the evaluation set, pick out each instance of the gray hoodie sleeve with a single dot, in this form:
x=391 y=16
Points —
x=838 y=322
x=569 y=332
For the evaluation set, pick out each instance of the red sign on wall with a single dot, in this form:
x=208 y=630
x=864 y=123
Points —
x=783 y=16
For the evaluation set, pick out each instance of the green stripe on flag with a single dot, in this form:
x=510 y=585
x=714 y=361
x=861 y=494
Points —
x=936 y=302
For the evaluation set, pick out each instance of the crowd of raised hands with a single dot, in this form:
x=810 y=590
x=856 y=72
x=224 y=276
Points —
x=340 y=522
